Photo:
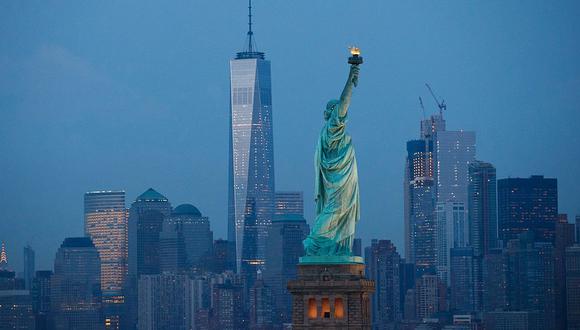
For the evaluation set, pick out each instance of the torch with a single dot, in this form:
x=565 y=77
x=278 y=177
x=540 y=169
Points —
x=355 y=59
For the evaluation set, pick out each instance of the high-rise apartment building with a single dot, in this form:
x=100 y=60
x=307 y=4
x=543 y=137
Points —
x=382 y=266
x=527 y=204
x=251 y=157
x=76 y=286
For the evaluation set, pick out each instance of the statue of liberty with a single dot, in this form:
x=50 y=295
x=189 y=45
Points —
x=336 y=183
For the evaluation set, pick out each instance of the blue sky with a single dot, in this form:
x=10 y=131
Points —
x=134 y=94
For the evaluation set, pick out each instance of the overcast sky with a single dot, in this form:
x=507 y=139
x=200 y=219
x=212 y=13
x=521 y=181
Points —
x=129 y=95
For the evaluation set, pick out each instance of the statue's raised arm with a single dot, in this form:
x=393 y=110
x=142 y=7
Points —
x=347 y=92
x=336 y=184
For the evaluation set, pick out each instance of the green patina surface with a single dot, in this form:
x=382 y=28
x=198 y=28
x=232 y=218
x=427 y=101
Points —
x=337 y=191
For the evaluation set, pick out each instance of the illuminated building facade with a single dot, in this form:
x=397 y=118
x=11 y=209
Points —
x=251 y=159
x=106 y=225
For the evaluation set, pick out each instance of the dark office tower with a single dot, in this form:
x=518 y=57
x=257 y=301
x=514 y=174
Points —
x=564 y=238
x=187 y=221
x=16 y=310
x=407 y=282
x=530 y=280
x=482 y=207
x=145 y=223
x=357 y=247
x=165 y=302
x=223 y=256
x=251 y=159
x=462 y=280
x=573 y=286
x=76 y=286
x=40 y=294
x=513 y=320
x=28 y=267
x=146 y=217
x=106 y=225
x=287 y=232
x=228 y=309
x=261 y=309
x=577 y=224
x=172 y=256
x=527 y=205
x=382 y=266
x=494 y=275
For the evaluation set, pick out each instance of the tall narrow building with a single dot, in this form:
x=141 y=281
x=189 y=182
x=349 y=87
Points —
x=106 y=225
x=419 y=195
x=482 y=206
x=251 y=156
x=29 y=267
x=382 y=266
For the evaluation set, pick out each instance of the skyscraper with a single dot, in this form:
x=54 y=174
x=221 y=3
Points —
x=573 y=286
x=261 y=306
x=195 y=230
x=287 y=232
x=29 y=264
x=452 y=232
x=482 y=206
x=453 y=152
x=530 y=277
x=40 y=294
x=527 y=204
x=462 y=279
x=76 y=286
x=146 y=217
x=16 y=310
x=382 y=266
x=563 y=238
x=251 y=159
x=106 y=225
x=165 y=302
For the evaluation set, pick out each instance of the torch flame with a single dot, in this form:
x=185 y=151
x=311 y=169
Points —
x=354 y=50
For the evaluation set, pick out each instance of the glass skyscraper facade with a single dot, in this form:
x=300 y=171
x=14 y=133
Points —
x=251 y=168
x=527 y=204
x=106 y=225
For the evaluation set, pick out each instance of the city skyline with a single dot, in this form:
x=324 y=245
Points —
x=384 y=120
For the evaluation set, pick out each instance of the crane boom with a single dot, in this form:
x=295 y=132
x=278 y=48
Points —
x=441 y=104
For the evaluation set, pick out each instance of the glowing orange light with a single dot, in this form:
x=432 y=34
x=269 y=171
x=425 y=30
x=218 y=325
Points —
x=354 y=50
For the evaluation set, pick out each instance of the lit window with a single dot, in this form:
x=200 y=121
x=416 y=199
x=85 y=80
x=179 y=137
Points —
x=338 y=308
x=312 y=310
x=325 y=308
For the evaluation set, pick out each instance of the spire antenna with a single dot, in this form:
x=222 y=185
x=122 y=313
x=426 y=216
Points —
x=250 y=33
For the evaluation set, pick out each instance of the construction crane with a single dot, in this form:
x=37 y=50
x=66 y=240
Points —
x=422 y=107
x=441 y=104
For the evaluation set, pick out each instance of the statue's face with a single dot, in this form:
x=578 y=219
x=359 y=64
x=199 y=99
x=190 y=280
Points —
x=330 y=107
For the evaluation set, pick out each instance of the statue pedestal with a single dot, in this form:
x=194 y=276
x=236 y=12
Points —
x=331 y=296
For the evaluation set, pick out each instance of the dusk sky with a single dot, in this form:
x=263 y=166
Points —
x=127 y=95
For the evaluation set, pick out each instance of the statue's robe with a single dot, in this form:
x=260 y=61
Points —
x=337 y=201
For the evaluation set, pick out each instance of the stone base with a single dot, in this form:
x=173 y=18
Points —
x=331 y=296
